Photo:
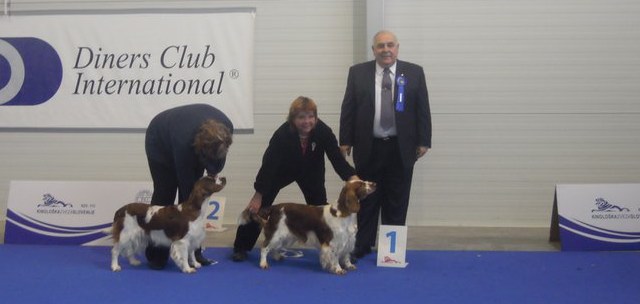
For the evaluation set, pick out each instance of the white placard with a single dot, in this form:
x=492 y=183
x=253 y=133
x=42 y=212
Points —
x=215 y=213
x=392 y=246
x=118 y=70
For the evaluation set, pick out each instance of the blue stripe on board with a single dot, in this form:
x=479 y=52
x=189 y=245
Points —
x=18 y=235
x=76 y=274
x=597 y=231
x=38 y=232
x=613 y=240
x=49 y=227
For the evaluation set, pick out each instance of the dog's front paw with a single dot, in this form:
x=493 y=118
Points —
x=339 y=271
x=351 y=267
x=264 y=265
x=115 y=268
x=189 y=270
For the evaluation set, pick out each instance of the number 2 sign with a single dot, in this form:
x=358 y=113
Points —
x=214 y=212
x=392 y=246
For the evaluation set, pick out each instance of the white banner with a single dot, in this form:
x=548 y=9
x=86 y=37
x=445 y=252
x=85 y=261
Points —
x=120 y=70
x=76 y=212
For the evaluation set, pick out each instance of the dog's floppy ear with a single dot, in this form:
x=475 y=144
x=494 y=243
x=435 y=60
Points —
x=353 y=202
x=365 y=188
x=349 y=196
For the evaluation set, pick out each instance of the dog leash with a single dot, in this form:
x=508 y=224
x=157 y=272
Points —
x=289 y=253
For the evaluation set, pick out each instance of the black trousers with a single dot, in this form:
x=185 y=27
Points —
x=390 y=201
x=314 y=193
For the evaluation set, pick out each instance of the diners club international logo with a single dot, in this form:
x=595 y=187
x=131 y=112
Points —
x=30 y=71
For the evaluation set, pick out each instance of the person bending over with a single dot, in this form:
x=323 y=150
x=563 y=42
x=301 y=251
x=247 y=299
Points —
x=181 y=144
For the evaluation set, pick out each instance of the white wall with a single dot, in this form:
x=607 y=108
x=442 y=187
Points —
x=524 y=95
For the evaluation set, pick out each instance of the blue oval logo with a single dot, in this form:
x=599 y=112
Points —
x=30 y=71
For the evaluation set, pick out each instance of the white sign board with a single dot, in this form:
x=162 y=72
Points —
x=392 y=246
x=598 y=216
x=73 y=212
x=118 y=70
x=215 y=212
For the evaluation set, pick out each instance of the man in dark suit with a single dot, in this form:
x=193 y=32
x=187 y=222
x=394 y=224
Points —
x=385 y=147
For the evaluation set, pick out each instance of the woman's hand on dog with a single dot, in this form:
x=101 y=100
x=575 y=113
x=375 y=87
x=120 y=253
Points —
x=255 y=203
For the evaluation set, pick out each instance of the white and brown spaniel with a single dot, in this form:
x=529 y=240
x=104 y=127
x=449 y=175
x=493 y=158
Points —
x=180 y=227
x=330 y=228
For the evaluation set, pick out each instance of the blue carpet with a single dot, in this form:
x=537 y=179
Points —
x=73 y=274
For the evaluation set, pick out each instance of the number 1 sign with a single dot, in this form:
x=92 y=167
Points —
x=392 y=246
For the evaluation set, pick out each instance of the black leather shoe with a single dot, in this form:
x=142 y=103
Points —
x=239 y=256
x=157 y=265
x=157 y=257
x=201 y=259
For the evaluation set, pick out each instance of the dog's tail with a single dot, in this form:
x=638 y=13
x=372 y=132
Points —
x=108 y=230
x=247 y=217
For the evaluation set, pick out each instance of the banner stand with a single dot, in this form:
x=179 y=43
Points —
x=554 y=231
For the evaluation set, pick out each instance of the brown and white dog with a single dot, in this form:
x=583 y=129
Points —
x=330 y=228
x=180 y=227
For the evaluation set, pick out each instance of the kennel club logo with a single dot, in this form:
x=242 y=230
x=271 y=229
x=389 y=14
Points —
x=49 y=201
x=606 y=210
x=51 y=205
x=30 y=71
x=605 y=206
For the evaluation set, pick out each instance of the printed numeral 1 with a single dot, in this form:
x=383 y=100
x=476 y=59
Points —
x=392 y=236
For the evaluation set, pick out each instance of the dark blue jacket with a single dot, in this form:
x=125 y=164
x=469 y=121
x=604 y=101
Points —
x=169 y=140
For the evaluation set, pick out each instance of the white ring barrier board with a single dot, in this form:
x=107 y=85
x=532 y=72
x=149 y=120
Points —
x=78 y=212
x=597 y=217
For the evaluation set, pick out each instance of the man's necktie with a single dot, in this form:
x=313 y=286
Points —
x=386 y=101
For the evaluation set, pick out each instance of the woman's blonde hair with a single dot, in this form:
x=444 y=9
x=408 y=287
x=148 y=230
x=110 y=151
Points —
x=212 y=140
x=302 y=104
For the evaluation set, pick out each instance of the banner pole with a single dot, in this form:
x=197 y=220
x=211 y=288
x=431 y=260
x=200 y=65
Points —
x=5 y=5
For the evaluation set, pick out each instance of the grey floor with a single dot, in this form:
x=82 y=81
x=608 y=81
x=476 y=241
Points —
x=437 y=238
